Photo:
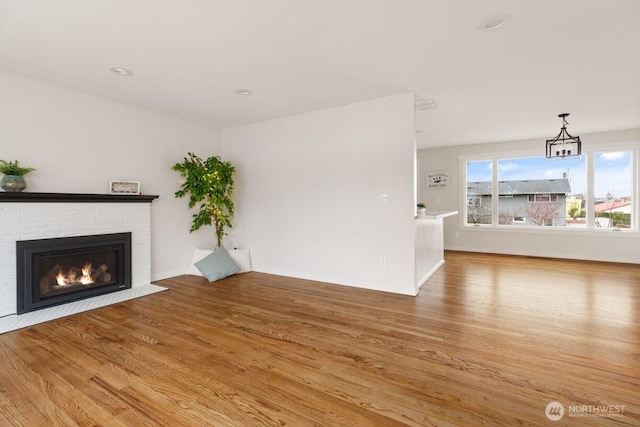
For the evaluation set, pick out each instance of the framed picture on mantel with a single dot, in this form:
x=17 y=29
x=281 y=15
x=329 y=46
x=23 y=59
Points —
x=124 y=187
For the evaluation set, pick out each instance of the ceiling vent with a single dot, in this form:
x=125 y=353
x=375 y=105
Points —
x=425 y=104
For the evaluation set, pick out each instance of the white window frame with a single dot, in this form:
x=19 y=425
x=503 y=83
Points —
x=590 y=152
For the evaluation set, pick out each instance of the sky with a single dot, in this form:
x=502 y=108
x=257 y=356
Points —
x=612 y=172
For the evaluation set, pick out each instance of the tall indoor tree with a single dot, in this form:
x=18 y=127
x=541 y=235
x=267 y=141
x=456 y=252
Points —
x=209 y=184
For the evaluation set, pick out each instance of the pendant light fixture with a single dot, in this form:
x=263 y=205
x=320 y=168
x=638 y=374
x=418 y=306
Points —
x=564 y=145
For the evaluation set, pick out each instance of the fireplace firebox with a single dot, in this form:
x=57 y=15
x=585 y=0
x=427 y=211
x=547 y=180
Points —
x=61 y=270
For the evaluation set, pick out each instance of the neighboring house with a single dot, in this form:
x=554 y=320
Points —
x=608 y=214
x=575 y=207
x=574 y=204
x=527 y=202
x=616 y=206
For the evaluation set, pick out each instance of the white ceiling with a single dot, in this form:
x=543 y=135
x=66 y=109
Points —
x=188 y=56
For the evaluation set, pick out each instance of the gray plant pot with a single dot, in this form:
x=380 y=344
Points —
x=13 y=183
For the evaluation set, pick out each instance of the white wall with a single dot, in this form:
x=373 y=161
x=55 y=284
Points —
x=308 y=194
x=587 y=245
x=78 y=142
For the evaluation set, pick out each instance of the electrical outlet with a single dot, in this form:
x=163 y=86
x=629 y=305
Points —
x=383 y=262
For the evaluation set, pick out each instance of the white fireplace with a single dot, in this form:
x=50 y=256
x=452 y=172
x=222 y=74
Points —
x=30 y=216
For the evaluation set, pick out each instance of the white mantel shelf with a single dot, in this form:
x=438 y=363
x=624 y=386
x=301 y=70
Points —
x=28 y=197
x=436 y=214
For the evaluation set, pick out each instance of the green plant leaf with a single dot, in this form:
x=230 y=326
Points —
x=209 y=184
x=13 y=168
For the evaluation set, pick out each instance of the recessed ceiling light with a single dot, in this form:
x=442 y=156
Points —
x=121 y=71
x=243 y=92
x=496 y=23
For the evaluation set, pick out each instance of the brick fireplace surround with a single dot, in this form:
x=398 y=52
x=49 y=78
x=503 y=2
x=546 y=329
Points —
x=29 y=216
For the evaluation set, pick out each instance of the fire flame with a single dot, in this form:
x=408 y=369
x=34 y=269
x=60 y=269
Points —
x=70 y=278
x=86 y=274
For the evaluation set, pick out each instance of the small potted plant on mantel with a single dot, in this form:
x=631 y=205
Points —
x=13 y=179
x=421 y=209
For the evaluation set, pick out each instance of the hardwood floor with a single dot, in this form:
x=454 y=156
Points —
x=490 y=340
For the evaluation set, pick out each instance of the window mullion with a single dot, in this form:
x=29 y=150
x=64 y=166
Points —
x=495 y=192
x=591 y=195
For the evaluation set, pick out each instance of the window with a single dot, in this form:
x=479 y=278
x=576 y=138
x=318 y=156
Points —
x=542 y=198
x=474 y=201
x=534 y=190
x=478 y=192
x=590 y=191
x=613 y=178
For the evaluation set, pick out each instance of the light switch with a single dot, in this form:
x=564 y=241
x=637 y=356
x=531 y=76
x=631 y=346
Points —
x=384 y=199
